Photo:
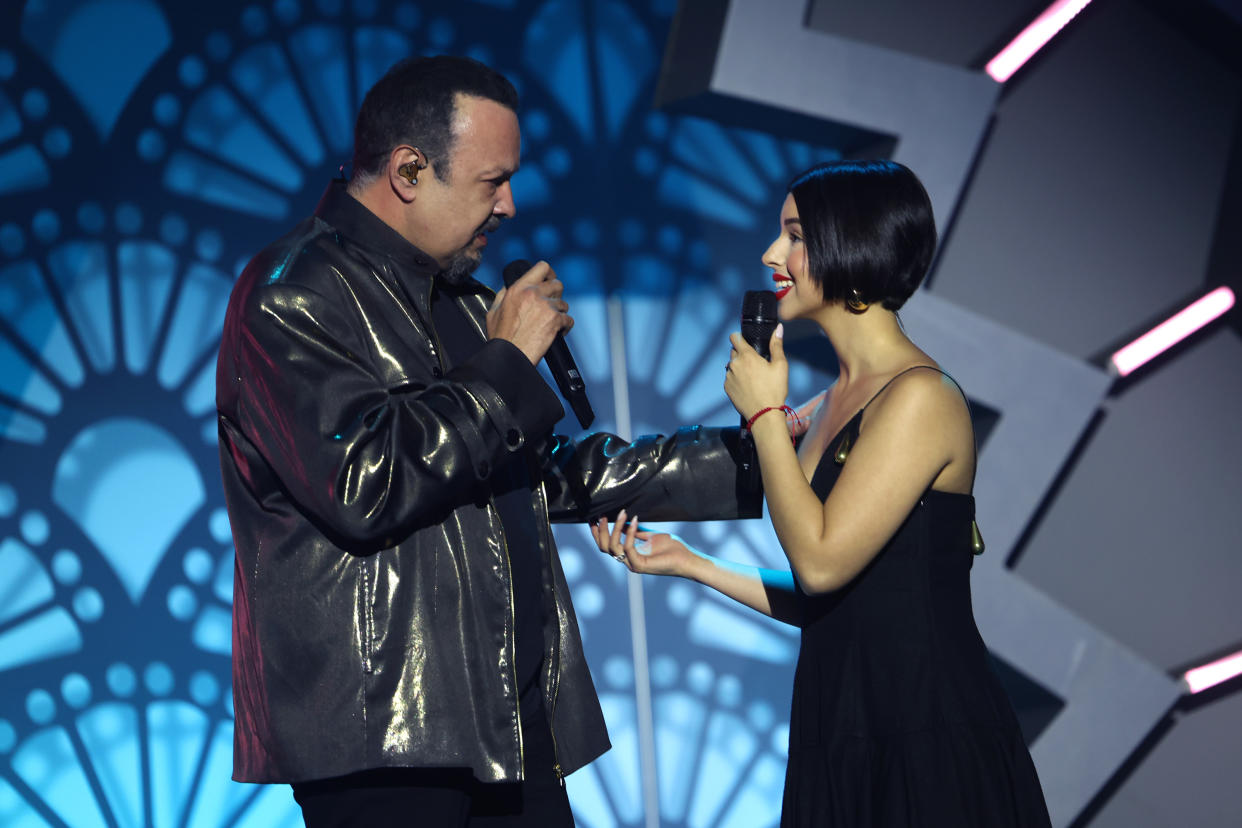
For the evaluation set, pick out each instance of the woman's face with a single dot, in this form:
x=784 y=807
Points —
x=796 y=293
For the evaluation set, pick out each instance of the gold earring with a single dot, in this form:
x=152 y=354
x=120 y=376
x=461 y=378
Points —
x=855 y=303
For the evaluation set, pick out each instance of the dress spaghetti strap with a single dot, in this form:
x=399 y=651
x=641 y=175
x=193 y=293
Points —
x=849 y=432
x=935 y=368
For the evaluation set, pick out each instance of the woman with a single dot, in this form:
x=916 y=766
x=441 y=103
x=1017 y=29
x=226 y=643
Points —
x=897 y=718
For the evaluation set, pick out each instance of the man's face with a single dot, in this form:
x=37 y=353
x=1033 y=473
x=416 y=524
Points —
x=450 y=218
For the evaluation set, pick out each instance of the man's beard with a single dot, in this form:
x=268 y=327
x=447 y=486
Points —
x=462 y=265
x=459 y=269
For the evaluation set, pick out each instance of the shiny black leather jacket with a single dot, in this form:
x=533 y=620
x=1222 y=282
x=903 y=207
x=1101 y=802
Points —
x=372 y=622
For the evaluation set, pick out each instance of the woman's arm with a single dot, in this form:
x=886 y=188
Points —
x=770 y=591
x=913 y=431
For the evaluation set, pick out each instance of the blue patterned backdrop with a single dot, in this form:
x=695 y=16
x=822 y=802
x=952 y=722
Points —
x=147 y=150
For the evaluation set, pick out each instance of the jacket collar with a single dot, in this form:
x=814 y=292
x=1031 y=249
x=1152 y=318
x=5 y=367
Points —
x=358 y=224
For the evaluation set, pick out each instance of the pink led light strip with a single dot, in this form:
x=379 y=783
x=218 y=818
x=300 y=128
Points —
x=1210 y=675
x=1171 y=331
x=1033 y=38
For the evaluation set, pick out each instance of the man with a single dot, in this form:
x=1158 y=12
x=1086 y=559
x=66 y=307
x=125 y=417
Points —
x=404 y=646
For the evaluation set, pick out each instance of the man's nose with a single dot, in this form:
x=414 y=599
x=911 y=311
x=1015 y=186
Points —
x=505 y=204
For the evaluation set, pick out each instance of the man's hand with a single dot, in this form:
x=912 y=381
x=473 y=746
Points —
x=530 y=312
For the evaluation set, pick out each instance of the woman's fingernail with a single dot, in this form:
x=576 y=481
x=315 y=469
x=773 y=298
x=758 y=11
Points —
x=780 y=330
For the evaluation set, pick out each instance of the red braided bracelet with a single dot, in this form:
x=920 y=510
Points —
x=789 y=412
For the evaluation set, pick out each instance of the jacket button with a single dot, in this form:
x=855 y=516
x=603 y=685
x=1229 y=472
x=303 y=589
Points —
x=437 y=372
x=484 y=469
x=514 y=438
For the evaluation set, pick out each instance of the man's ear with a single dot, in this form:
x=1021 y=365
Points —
x=405 y=164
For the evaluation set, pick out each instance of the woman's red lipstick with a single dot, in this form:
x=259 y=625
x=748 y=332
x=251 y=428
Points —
x=781 y=291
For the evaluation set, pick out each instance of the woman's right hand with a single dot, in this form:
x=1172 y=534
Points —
x=647 y=553
x=753 y=383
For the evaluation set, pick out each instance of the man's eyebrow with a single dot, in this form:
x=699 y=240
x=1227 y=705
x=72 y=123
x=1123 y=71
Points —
x=498 y=172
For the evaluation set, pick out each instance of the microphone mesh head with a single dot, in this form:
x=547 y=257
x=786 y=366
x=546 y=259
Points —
x=515 y=270
x=759 y=319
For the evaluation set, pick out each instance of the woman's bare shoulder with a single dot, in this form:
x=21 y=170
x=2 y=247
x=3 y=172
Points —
x=923 y=395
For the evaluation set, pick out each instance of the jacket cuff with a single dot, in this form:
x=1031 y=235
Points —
x=520 y=386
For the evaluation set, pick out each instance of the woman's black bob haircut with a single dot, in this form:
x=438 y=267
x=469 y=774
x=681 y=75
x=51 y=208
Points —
x=868 y=227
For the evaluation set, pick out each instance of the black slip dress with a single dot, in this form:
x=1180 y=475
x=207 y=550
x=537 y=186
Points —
x=897 y=717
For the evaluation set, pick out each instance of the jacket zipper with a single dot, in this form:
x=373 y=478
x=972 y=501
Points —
x=435 y=336
x=517 y=702
x=556 y=651
x=555 y=674
x=504 y=542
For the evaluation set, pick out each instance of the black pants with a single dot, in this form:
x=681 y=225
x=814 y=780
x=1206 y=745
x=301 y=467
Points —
x=450 y=797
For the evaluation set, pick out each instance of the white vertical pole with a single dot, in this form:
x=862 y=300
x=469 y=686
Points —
x=638 y=618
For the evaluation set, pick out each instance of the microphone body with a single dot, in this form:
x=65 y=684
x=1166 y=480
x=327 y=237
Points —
x=759 y=321
x=560 y=362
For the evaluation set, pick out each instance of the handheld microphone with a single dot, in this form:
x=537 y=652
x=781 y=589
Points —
x=560 y=362
x=759 y=321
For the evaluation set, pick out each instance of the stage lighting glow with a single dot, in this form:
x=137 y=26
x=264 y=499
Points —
x=1210 y=675
x=1033 y=37
x=1171 y=331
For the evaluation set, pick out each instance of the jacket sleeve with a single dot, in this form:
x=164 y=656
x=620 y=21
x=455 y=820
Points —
x=366 y=457
x=692 y=474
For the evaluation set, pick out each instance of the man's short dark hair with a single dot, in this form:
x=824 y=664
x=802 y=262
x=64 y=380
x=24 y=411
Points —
x=414 y=103
x=868 y=227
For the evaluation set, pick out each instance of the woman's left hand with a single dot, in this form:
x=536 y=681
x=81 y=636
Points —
x=647 y=553
x=752 y=382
